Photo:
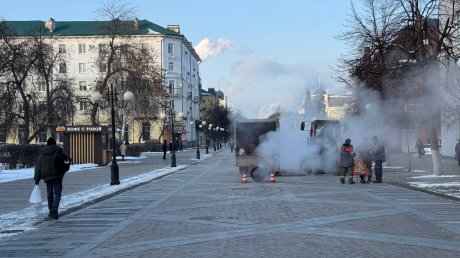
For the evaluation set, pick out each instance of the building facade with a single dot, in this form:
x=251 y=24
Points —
x=81 y=41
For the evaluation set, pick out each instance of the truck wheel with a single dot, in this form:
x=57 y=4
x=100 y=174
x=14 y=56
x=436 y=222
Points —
x=258 y=174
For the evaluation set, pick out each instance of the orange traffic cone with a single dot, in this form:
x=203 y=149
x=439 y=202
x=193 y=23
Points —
x=245 y=178
x=272 y=177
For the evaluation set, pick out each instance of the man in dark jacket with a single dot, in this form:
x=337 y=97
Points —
x=164 y=148
x=45 y=169
x=457 y=151
x=347 y=161
x=378 y=155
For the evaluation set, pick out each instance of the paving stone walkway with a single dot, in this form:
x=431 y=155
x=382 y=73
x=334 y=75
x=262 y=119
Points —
x=204 y=211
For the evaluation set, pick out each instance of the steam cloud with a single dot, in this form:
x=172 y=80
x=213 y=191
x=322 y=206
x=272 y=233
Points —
x=207 y=48
x=288 y=147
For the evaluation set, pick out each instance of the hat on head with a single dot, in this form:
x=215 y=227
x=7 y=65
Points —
x=51 y=141
x=347 y=141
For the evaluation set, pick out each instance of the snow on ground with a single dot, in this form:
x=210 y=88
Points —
x=25 y=219
x=426 y=185
x=433 y=176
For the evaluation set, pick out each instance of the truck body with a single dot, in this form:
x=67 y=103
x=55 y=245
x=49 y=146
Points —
x=248 y=134
x=324 y=137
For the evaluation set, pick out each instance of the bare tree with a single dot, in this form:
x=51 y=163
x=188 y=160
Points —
x=60 y=98
x=407 y=59
x=20 y=53
x=127 y=63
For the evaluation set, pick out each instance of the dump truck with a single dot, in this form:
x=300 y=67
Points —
x=249 y=133
x=324 y=137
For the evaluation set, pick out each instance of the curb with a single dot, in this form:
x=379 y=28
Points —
x=413 y=188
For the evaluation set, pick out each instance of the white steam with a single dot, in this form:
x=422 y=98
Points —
x=207 y=48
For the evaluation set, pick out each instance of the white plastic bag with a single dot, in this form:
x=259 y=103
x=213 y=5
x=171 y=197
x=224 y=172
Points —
x=36 y=196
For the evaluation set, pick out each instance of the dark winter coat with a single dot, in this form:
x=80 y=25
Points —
x=164 y=147
x=44 y=167
x=378 y=151
x=347 y=155
x=457 y=151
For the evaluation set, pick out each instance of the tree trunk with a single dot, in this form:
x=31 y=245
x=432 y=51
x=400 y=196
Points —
x=435 y=154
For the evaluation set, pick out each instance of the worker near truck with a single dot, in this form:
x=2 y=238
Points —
x=347 y=160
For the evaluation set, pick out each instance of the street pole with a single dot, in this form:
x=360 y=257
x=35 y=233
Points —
x=173 y=156
x=206 y=139
x=114 y=170
x=197 y=126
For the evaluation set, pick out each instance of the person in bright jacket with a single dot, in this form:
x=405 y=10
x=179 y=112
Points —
x=347 y=160
x=45 y=169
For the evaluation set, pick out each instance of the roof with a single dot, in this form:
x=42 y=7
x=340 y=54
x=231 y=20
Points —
x=219 y=94
x=86 y=28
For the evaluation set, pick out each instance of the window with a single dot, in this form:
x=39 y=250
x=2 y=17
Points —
x=102 y=68
x=62 y=68
x=171 y=87
x=3 y=133
x=81 y=48
x=146 y=131
x=82 y=85
x=62 y=48
x=103 y=47
x=82 y=68
x=171 y=66
x=41 y=86
x=82 y=105
x=2 y=88
x=42 y=136
x=170 y=48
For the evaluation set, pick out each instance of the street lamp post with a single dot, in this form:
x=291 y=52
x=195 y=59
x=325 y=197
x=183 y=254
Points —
x=171 y=113
x=197 y=128
x=112 y=100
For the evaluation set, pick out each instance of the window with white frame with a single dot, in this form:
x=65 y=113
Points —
x=82 y=68
x=81 y=48
x=171 y=66
x=171 y=84
x=42 y=86
x=170 y=48
x=83 y=105
x=62 y=49
x=82 y=85
x=2 y=88
x=62 y=68
x=103 y=47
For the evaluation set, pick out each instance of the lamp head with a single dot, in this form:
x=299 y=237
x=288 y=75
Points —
x=95 y=97
x=128 y=96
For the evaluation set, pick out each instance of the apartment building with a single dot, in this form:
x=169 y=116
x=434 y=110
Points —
x=81 y=41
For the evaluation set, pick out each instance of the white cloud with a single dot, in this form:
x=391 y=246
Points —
x=207 y=48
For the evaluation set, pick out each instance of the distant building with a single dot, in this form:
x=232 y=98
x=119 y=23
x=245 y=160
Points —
x=81 y=40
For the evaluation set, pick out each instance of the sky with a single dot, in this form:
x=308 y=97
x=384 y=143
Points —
x=259 y=53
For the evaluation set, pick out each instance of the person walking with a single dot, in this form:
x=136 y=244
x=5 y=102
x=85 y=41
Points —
x=123 y=150
x=419 y=147
x=378 y=155
x=45 y=169
x=457 y=151
x=164 y=148
x=347 y=161
x=232 y=145
x=364 y=153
